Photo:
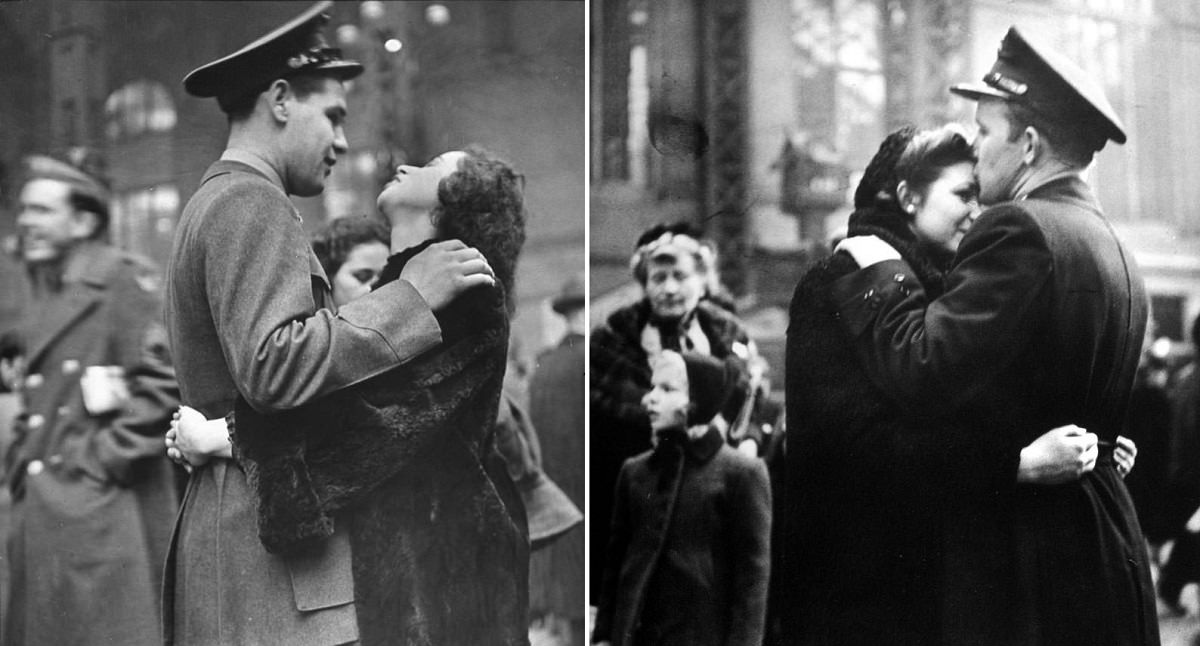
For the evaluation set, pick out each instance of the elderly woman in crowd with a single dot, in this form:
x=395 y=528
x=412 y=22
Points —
x=674 y=271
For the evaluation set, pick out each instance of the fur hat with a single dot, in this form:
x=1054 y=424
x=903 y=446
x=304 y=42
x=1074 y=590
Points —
x=710 y=383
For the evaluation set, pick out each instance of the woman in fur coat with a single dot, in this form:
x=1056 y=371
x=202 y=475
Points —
x=674 y=269
x=870 y=486
x=437 y=530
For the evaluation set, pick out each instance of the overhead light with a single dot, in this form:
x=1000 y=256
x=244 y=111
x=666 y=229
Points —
x=347 y=34
x=437 y=14
x=371 y=10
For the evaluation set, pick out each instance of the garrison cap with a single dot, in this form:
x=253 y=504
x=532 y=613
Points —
x=571 y=295
x=44 y=167
x=296 y=47
x=1047 y=82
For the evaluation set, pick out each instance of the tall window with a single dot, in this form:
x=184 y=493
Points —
x=839 y=69
x=138 y=107
x=143 y=220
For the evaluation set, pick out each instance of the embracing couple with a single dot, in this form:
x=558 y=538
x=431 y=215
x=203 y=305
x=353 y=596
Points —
x=957 y=380
x=354 y=493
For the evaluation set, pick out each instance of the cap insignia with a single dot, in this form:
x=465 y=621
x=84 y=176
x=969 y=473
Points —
x=996 y=79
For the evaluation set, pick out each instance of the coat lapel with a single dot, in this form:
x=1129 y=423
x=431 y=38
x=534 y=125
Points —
x=87 y=274
x=56 y=317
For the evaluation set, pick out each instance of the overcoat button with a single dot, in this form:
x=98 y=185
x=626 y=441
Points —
x=899 y=278
x=34 y=380
x=36 y=421
x=70 y=366
x=34 y=467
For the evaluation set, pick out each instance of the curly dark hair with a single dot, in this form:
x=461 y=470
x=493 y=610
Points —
x=482 y=204
x=333 y=242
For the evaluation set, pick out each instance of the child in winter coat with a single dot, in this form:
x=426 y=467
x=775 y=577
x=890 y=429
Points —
x=689 y=557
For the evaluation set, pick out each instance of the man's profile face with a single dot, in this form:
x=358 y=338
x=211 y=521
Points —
x=1000 y=165
x=47 y=223
x=314 y=137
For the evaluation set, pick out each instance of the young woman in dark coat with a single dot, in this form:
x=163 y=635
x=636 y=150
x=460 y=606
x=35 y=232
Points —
x=437 y=529
x=873 y=491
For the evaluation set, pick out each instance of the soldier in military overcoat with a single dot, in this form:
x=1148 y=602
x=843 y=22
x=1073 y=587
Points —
x=249 y=313
x=93 y=493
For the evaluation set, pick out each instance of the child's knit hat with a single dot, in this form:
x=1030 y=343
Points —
x=710 y=383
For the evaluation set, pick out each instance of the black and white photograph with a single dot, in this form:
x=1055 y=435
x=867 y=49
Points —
x=613 y=322
x=893 y=310
x=290 y=297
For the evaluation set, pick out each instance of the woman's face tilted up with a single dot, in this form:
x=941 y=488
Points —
x=947 y=207
x=414 y=191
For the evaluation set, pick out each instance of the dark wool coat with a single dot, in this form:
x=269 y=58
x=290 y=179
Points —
x=689 y=559
x=619 y=378
x=438 y=536
x=249 y=312
x=94 y=495
x=1041 y=324
x=867 y=484
x=556 y=408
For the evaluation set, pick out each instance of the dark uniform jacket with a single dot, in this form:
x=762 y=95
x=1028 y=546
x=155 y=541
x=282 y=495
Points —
x=94 y=495
x=1041 y=325
x=689 y=558
x=247 y=314
x=868 y=483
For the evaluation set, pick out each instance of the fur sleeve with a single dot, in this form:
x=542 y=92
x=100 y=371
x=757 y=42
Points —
x=309 y=463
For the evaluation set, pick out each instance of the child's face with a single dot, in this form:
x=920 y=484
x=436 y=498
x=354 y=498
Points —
x=667 y=401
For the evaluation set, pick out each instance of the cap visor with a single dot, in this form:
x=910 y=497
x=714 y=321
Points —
x=976 y=91
x=343 y=69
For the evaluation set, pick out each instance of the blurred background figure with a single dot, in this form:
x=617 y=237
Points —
x=93 y=493
x=556 y=408
x=1180 y=563
x=672 y=312
x=1148 y=426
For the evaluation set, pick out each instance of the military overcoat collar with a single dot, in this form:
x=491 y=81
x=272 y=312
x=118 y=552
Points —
x=1066 y=188
x=87 y=274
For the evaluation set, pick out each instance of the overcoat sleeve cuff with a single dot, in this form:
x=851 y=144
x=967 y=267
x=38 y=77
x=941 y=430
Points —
x=859 y=297
x=400 y=315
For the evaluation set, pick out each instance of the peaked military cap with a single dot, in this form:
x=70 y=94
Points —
x=296 y=47
x=1047 y=82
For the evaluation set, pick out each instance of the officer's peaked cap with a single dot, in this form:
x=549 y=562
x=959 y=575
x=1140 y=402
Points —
x=296 y=47
x=1039 y=77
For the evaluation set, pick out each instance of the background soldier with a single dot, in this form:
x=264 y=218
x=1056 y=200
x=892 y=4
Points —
x=93 y=492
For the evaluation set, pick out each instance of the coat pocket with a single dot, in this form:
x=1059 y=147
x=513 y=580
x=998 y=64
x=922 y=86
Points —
x=323 y=579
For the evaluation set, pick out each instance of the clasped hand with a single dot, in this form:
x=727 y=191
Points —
x=1065 y=453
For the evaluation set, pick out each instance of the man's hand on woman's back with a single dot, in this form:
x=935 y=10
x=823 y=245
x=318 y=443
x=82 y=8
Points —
x=444 y=270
